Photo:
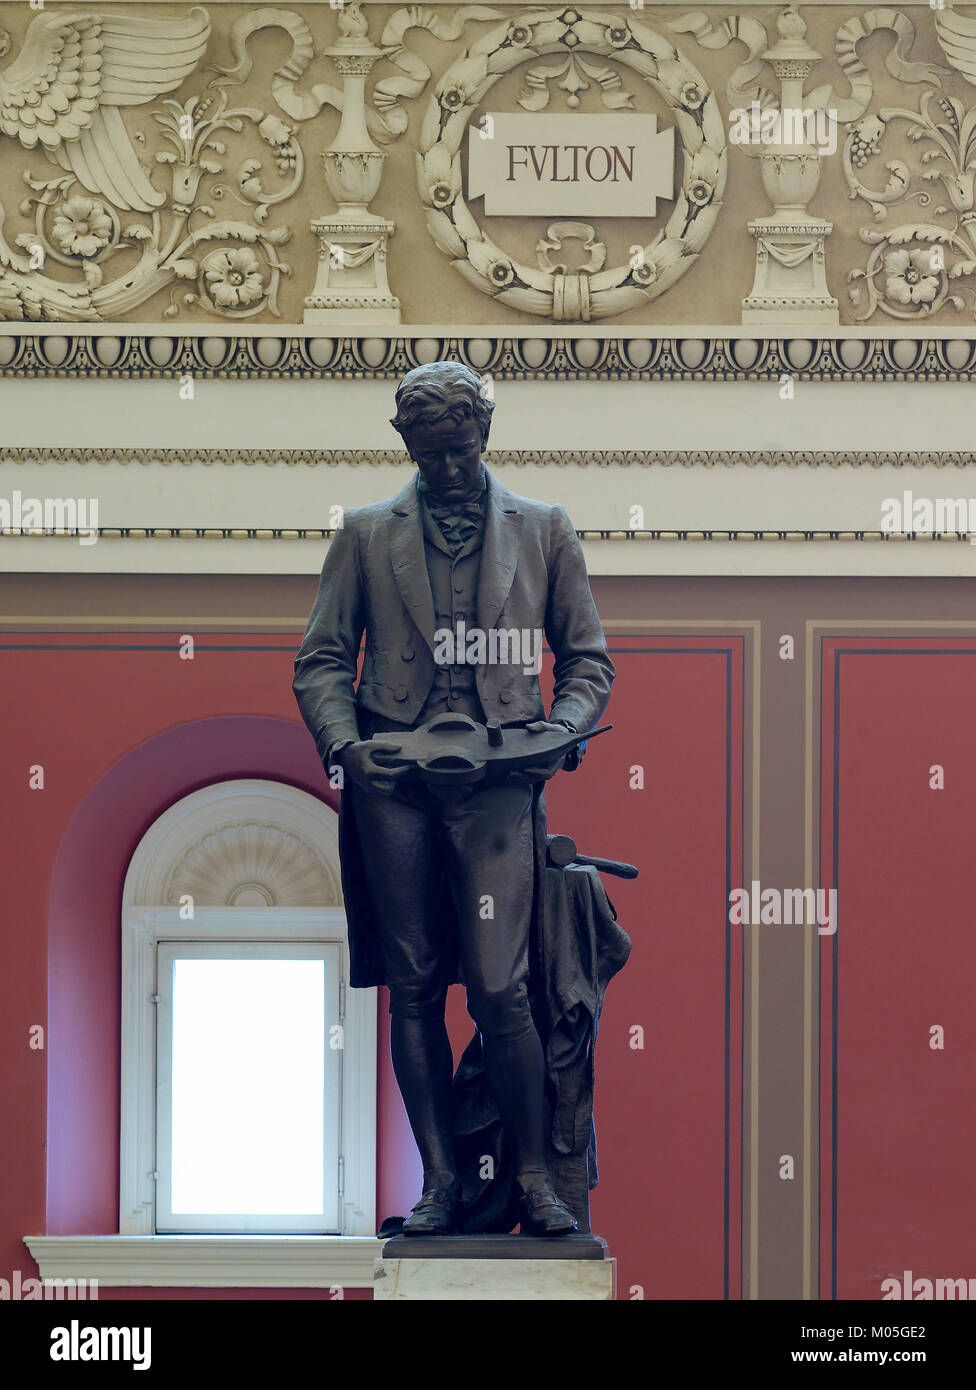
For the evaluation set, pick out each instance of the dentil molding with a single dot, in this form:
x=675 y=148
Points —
x=31 y=456
x=143 y=356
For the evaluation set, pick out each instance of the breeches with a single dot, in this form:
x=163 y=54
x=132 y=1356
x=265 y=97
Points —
x=477 y=844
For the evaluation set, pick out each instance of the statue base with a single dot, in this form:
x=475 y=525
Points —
x=510 y=1268
x=570 y=1247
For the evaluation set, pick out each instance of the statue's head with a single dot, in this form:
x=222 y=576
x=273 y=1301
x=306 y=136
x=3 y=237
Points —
x=443 y=417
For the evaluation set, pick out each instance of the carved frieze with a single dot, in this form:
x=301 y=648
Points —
x=325 y=165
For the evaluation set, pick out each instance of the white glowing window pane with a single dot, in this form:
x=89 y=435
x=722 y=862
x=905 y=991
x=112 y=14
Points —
x=248 y=1086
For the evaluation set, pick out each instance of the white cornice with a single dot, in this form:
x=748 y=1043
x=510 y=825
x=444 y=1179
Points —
x=215 y=1262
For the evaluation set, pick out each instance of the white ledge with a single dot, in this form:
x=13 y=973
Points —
x=212 y=1262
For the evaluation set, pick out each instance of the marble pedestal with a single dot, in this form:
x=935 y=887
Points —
x=510 y=1268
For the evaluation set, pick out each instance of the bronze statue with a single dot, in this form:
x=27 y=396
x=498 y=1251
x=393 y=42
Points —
x=454 y=582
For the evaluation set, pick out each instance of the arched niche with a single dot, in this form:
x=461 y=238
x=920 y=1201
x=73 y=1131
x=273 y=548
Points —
x=83 y=938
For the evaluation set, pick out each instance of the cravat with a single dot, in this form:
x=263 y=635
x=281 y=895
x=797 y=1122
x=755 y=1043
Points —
x=458 y=521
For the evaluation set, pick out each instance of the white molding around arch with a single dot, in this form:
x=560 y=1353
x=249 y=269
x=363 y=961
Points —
x=300 y=821
x=281 y=843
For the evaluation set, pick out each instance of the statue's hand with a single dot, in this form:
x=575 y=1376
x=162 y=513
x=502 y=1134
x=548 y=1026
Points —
x=546 y=767
x=365 y=763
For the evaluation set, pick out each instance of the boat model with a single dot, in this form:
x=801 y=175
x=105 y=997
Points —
x=454 y=749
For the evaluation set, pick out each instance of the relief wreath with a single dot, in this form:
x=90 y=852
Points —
x=700 y=126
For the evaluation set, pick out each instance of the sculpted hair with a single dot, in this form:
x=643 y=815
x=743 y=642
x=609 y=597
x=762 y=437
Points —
x=428 y=393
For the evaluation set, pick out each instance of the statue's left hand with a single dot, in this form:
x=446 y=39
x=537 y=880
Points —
x=547 y=766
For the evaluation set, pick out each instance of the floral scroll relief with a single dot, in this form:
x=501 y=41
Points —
x=73 y=73
x=910 y=270
x=792 y=238
x=916 y=269
x=580 y=297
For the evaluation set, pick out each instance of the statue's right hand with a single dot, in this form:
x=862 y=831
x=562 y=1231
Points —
x=365 y=763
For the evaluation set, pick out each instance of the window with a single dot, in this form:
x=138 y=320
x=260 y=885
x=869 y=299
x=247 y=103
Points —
x=247 y=1086
x=248 y=1069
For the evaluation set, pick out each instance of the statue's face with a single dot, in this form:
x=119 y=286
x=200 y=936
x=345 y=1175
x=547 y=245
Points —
x=448 y=454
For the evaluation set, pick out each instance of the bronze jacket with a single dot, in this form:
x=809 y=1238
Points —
x=374 y=580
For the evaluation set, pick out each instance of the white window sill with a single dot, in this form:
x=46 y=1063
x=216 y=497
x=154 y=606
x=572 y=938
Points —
x=211 y=1262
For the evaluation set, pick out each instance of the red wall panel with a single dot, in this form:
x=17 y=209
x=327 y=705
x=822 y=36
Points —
x=124 y=728
x=668 y=1117
x=898 y=1124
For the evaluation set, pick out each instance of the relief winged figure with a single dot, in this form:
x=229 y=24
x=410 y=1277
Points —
x=74 y=71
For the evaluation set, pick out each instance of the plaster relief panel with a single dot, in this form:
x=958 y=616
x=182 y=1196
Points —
x=347 y=167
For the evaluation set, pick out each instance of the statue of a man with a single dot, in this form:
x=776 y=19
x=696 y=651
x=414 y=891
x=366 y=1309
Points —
x=439 y=880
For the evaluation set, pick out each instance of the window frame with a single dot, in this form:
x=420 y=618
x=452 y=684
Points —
x=143 y=929
x=329 y=955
